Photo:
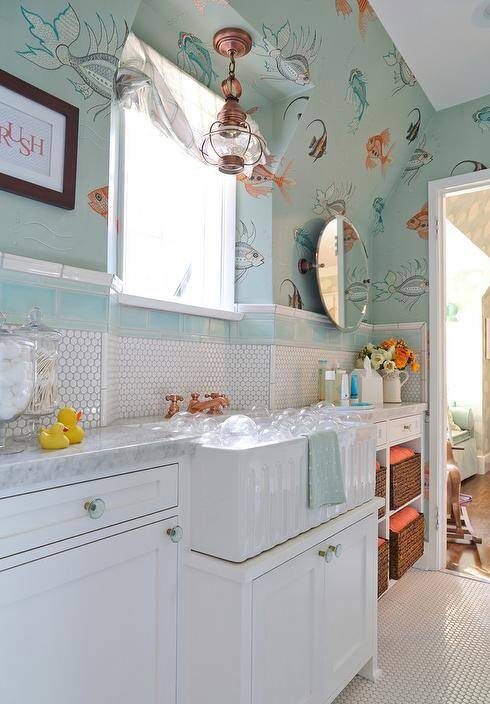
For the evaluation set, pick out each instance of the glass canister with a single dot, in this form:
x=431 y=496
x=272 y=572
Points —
x=46 y=341
x=17 y=378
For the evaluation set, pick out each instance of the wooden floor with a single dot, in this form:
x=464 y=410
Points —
x=474 y=560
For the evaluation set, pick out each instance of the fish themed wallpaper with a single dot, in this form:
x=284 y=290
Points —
x=70 y=50
x=456 y=141
x=348 y=127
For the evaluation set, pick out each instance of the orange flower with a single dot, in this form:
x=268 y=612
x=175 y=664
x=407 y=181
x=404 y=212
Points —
x=415 y=366
x=391 y=342
x=401 y=357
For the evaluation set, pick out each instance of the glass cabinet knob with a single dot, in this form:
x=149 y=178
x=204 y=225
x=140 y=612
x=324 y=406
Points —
x=94 y=507
x=327 y=554
x=175 y=534
x=338 y=550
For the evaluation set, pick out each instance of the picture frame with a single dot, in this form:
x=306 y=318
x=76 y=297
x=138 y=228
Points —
x=38 y=143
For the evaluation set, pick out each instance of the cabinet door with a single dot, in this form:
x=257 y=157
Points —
x=287 y=632
x=350 y=604
x=96 y=623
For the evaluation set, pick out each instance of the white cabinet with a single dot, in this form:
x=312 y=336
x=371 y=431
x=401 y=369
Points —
x=288 y=632
x=350 y=605
x=93 y=623
x=287 y=627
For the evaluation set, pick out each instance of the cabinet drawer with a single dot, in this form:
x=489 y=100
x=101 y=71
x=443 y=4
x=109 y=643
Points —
x=402 y=428
x=381 y=434
x=44 y=517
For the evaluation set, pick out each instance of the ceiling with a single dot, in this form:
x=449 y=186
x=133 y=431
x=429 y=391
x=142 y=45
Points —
x=446 y=43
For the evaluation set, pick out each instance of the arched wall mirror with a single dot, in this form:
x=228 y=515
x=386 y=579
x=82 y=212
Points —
x=341 y=265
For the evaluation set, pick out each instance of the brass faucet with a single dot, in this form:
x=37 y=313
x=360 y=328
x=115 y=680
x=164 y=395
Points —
x=174 y=404
x=213 y=405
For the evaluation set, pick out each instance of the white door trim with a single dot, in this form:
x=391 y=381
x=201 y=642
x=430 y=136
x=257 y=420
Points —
x=438 y=190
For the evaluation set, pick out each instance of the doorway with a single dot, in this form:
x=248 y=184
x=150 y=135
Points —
x=459 y=328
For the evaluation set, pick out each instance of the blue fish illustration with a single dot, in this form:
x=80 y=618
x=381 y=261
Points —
x=482 y=118
x=246 y=256
x=302 y=237
x=420 y=158
x=357 y=95
x=194 y=58
x=96 y=68
x=402 y=74
x=290 y=55
x=333 y=200
x=407 y=285
x=378 y=225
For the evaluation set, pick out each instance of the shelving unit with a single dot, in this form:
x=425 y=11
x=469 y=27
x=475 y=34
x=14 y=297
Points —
x=390 y=435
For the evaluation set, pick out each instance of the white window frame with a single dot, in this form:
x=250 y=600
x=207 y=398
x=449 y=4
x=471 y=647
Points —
x=116 y=239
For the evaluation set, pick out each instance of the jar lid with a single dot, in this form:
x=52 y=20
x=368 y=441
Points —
x=35 y=326
x=12 y=332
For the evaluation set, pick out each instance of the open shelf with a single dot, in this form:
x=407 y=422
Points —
x=408 y=503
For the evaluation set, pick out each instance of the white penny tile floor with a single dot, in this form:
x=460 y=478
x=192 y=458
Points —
x=434 y=643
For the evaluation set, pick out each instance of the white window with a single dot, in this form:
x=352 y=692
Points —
x=178 y=215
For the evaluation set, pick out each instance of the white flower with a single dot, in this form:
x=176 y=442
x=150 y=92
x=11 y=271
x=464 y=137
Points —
x=370 y=348
x=389 y=366
x=377 y=359
x=390 y=353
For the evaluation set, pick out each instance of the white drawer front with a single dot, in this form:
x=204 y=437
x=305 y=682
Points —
x=381 y=434
x=43 y=517
x=404 y=428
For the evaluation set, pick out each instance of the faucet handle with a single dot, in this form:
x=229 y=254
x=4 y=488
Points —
x=174 y=404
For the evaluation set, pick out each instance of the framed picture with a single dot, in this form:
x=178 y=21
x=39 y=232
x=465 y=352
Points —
x=38 y=143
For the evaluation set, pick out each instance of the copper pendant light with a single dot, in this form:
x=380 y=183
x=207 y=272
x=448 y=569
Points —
x=230 y=143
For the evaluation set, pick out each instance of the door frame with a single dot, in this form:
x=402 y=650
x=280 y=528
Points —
x=438 y=191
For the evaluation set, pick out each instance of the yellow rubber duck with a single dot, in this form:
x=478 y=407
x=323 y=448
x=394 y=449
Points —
x=70 y=417
x=54 y=438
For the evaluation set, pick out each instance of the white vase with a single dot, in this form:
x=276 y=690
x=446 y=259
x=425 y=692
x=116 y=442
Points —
x=392 y=385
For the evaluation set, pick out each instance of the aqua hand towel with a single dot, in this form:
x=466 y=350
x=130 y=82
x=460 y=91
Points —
x=325 y=475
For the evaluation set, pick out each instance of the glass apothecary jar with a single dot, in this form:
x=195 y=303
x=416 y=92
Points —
x=46 y=342
x=17 y=379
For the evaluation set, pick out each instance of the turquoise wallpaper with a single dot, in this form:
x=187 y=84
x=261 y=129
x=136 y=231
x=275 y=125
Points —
x=457 y=140
x=70 y=51
x=344 y=133
x=348 y=127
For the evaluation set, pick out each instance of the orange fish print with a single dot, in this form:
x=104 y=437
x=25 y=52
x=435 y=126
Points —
x=420 y=222
x=350 y=237
x=262 y=180
x=343 y=7
x=375 y=147
x=98 y=199
x=366 y=13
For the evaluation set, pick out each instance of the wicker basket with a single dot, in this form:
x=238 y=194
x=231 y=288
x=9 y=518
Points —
x=383 y=567
x=381 y=488
x=406 y=547
x=405 y=481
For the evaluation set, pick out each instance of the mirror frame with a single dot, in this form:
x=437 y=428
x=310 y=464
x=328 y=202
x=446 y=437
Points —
x=367 y=281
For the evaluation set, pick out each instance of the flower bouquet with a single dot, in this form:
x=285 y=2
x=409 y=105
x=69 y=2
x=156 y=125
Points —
x=391 y=358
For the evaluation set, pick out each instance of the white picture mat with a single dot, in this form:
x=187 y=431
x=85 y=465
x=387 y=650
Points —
x=52 y=177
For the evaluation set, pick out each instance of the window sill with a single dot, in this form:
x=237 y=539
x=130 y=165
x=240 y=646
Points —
x=140 y=302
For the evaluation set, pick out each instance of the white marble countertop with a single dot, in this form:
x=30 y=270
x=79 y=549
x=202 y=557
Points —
x=389 y=411
x=124 y=446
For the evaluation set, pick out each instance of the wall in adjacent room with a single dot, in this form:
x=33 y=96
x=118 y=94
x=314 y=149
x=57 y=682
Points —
x=29 y=35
